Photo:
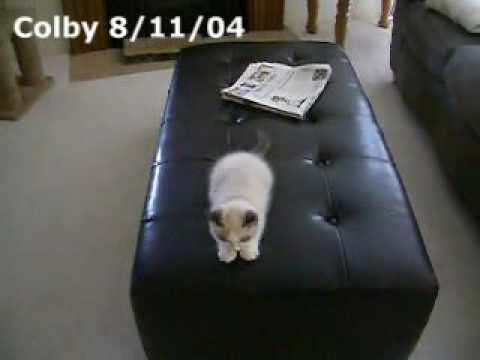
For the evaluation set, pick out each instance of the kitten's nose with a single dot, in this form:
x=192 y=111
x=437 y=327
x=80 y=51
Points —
x=236 y=247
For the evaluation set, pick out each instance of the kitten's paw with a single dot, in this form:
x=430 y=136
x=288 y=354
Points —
x=227 y=255
x=249 y=254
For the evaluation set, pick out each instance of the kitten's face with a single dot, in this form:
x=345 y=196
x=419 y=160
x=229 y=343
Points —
x=235 y=225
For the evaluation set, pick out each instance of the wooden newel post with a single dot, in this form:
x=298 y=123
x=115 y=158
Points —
x=341 y=24
x=29 y=60
x=10 y=94
x=18 y=95
x=312 y=16
x=385 y=17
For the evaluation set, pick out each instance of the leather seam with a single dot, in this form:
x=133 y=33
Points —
x=182 y=161
x=334 y=206
x=376 y=158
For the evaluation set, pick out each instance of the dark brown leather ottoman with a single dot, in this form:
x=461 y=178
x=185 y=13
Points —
x=343 y=272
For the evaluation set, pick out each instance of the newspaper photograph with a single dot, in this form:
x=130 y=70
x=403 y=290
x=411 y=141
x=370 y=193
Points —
x=287 y=90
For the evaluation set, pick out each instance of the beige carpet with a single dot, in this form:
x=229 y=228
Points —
x=111 y=62
x=73 y=178
x=30 y=95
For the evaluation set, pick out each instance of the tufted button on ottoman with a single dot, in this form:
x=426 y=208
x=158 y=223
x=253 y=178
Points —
x=343 y=271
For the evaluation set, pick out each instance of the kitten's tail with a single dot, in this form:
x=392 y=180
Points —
x=263 y=143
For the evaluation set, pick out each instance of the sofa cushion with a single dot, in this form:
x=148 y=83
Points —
x=432 y=37
x=464 y=12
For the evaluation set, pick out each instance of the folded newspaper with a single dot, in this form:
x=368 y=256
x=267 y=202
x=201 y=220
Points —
x=283 y=89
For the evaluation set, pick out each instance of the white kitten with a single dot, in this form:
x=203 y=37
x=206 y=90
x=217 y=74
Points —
x=239 y=193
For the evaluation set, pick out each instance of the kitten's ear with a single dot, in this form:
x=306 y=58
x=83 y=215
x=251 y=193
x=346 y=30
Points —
x=215 y=216
x=251 y=218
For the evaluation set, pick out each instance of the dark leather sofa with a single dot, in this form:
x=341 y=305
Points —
x=436 y=64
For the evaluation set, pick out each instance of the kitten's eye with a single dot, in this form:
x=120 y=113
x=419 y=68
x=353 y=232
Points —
x=216 y=218
x=250 y=218
x=221 y=238
x=245 y=239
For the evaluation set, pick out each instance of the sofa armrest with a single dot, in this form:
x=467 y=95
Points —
x=462 y=77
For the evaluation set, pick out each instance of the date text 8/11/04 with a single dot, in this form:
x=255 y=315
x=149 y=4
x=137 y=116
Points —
x=64 y=27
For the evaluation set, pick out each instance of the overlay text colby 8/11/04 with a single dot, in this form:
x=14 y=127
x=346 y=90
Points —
x=64 y=27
